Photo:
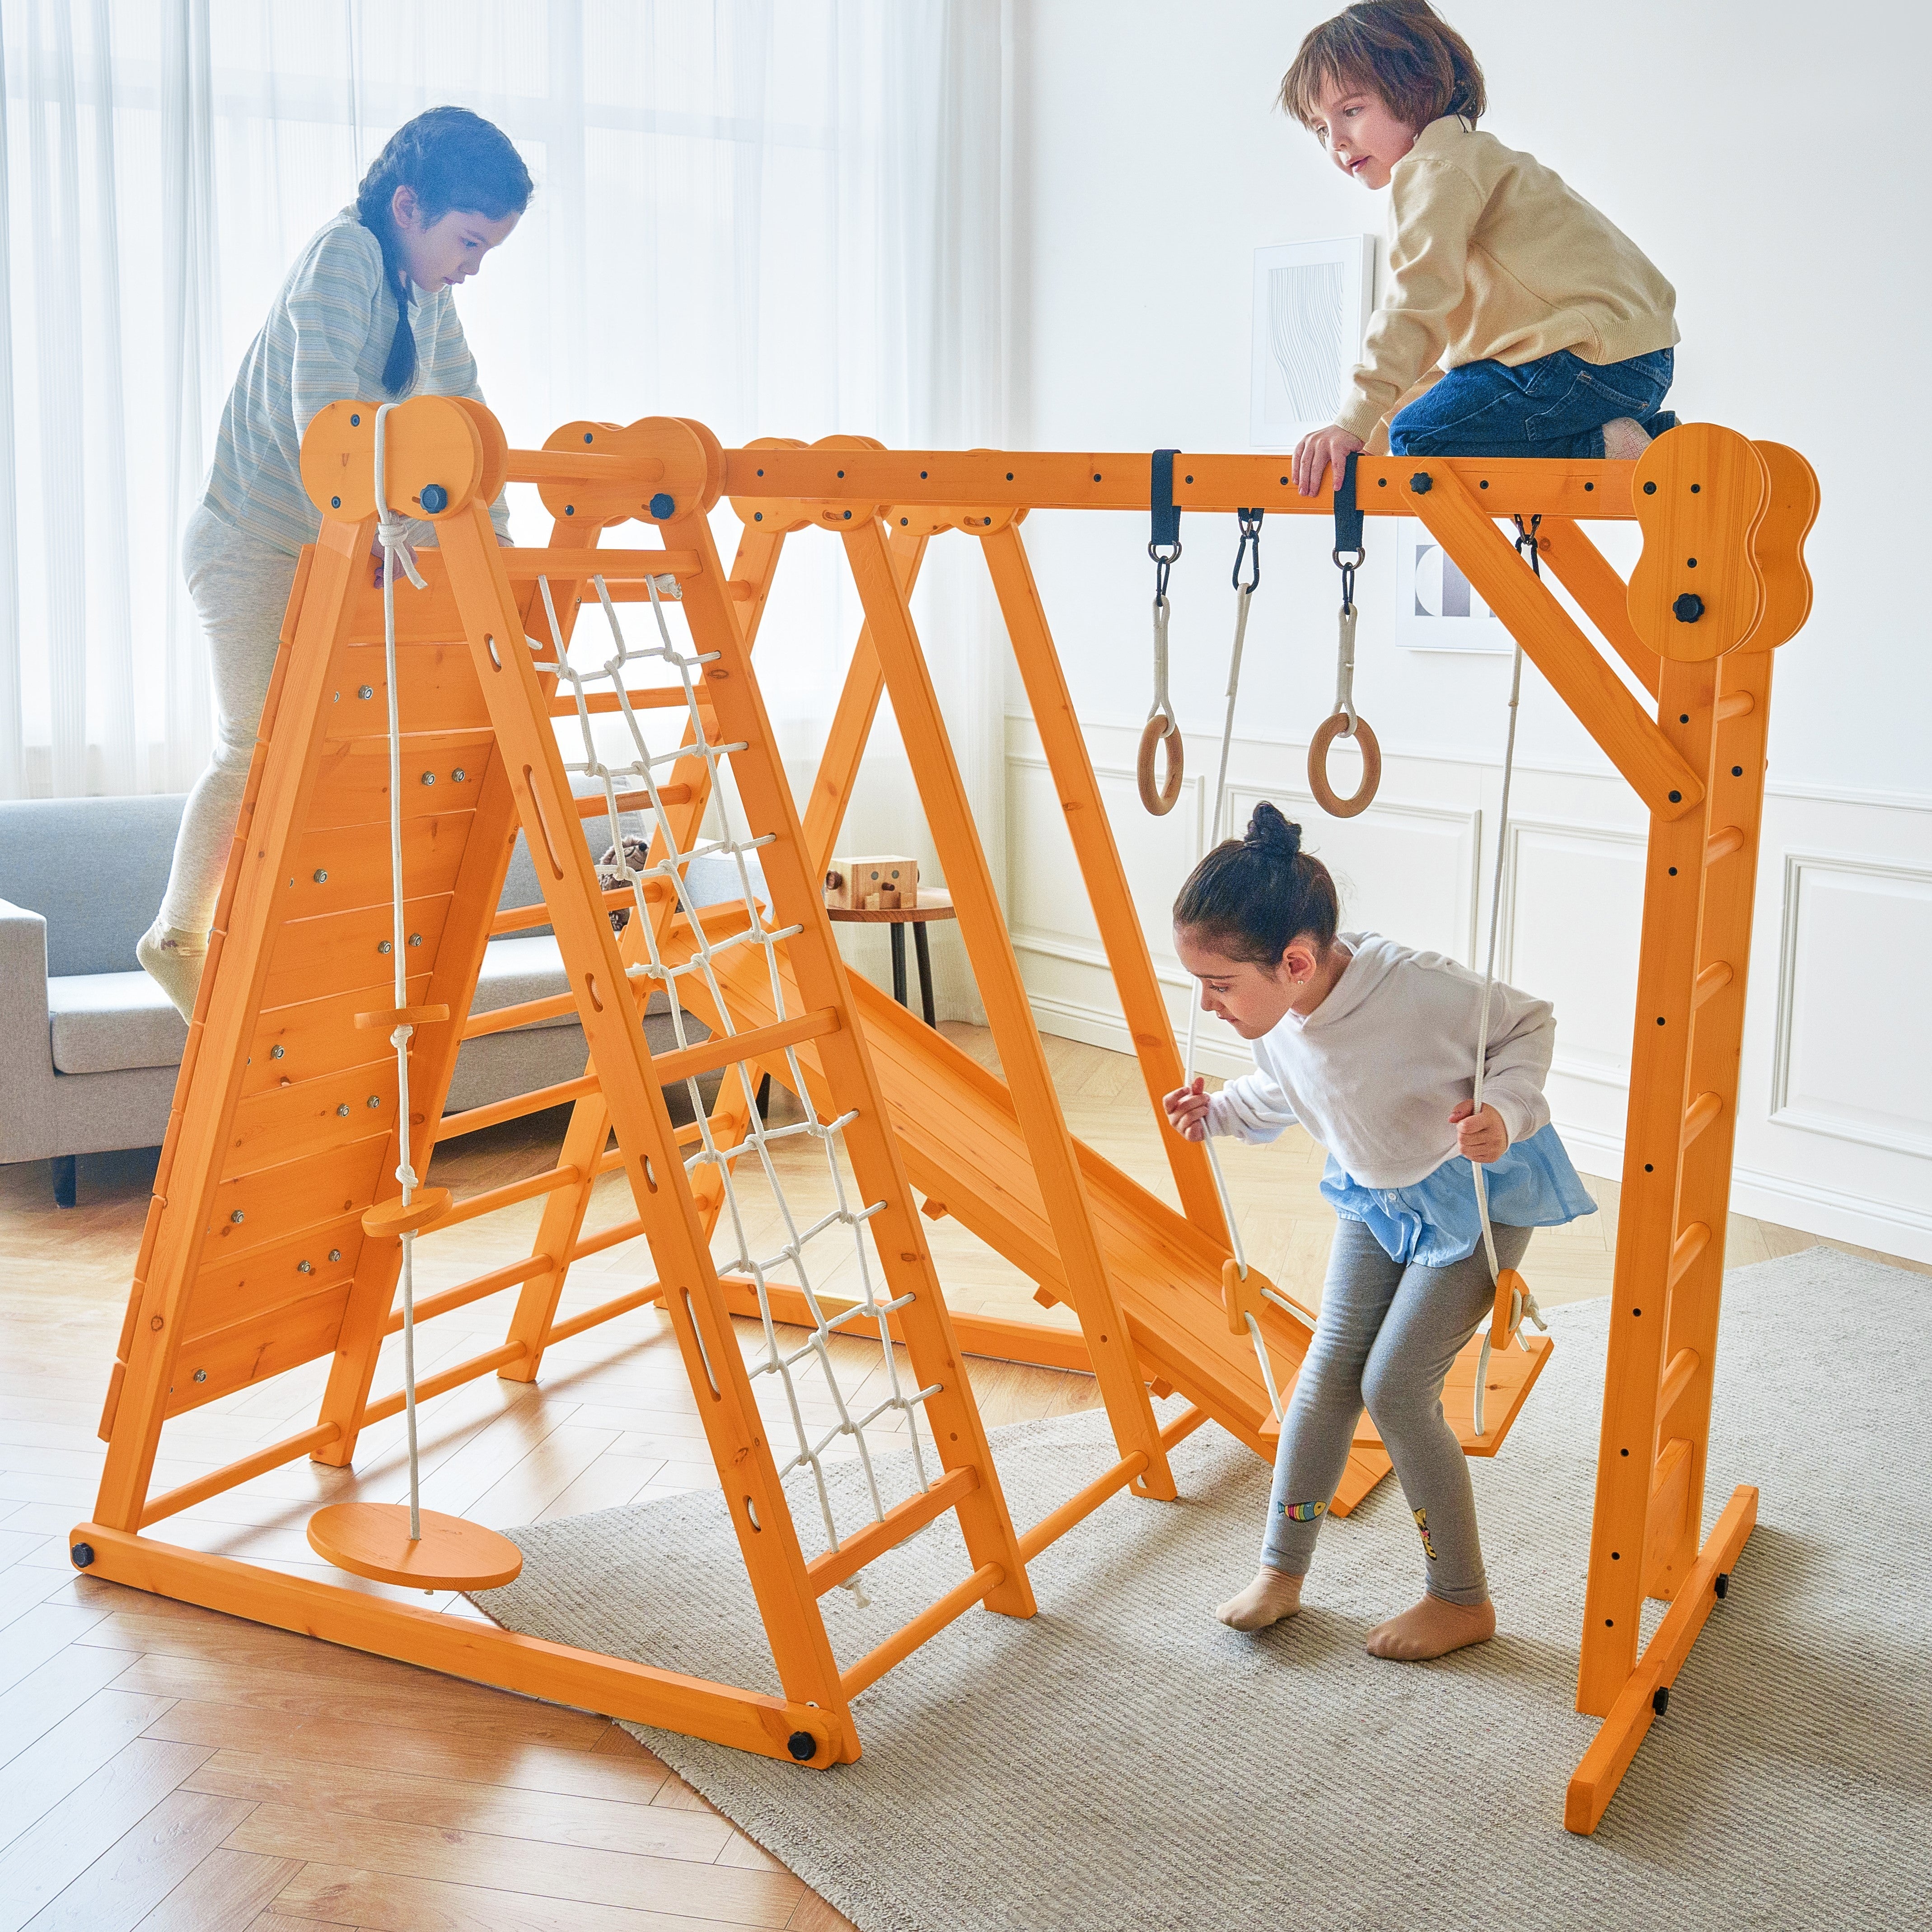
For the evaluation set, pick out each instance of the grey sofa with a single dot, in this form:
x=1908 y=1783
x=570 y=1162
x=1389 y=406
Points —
x=89 y=1044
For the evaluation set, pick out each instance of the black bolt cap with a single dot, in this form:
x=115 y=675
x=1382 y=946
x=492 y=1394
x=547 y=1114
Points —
x=83 y=1554
x=1422 y=482
x=1688 y=608
x=434 y=498
x=1660 y=1698
x=663 y=505
x=803 y=1745
x=1723 y=1585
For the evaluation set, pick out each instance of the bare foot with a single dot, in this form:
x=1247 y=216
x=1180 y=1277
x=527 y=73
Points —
x=1433 y=1628
x=1624 y=440
x=1273 y=1596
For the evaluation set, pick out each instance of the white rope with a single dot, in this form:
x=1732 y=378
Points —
x=794 y=1258
x=396 y=549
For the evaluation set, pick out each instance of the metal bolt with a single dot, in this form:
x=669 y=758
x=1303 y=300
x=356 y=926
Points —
x=375 y=1099
x=335 y=1254
x=386 y=946
x=366 y=691
x=238 y=1215
x=276 y=1052
x=458 y=775
x=342 y=1112
x=321 y=877
x=304 y=1267
x=416 y=939
x=201 y=1375
x=429 y=778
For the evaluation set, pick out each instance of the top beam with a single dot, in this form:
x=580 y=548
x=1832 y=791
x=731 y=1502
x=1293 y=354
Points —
x=1122 y=481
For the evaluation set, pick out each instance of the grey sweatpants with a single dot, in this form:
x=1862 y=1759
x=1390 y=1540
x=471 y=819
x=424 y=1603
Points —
x=240 y=586
x=1386 y=1335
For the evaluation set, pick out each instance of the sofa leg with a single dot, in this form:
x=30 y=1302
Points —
x=66 y=1180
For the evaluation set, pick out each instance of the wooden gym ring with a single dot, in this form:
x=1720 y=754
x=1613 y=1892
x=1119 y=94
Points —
x=1158 y=731
x=1325 y=794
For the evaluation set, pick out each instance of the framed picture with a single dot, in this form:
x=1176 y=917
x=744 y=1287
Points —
x=1311 y=304
x=1437 y=607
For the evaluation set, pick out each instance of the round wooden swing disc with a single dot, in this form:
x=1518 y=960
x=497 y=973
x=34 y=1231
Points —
x=372 y=1541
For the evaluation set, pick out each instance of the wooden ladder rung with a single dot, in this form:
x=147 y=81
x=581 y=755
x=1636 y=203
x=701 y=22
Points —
x=1722 y=844
x=897 y=1523
x=656 y=698
x=1685 y=1250
x=1677 y=1377
x=1698 y=1115
x=410 y=1016
x=514 y=1107
x=518 y=919
x=1739 y=704
x=595 y=805
x=726 y=1049
x=1712 y=981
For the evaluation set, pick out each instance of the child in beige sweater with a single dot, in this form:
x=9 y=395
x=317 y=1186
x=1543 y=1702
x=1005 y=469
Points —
x=1517 y=320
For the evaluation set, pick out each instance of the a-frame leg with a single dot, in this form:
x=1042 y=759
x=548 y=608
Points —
x=996 y=971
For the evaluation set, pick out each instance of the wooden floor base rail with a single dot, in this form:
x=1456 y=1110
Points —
x=1597 y=1777
x=1685 y=1250
x=898 y=1648
x=1712 y=981
x=441 y=1384
x=1077 y=1508
x=465 y=1647
x=480 y=1289
x=231 y=1475
x=607 y=1237
x=604 y=1311
x=508 y=1196
x=832 y=1569
x=473 y=1120
x=1698 y=1115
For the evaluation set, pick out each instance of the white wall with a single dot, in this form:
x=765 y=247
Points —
x=1761 y=155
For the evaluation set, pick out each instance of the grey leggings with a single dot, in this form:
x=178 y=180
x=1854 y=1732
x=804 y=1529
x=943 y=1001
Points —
x=240 y=586
x=1387 y=1332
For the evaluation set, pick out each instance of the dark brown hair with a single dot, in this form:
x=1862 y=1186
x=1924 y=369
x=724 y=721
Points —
x=1251 y=896
x=1402 y=50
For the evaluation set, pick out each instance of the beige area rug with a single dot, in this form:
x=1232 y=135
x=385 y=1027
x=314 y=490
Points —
x=1122 y=1760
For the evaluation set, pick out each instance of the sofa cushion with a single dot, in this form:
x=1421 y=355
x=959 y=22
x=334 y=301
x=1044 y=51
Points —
x=94 y=868
x=108 y=1022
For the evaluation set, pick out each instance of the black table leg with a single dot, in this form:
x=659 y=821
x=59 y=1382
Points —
x=924 y=972
x=897 y=931
x=765 y=1098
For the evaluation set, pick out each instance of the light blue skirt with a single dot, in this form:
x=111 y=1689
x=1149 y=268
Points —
x=1434 y=1222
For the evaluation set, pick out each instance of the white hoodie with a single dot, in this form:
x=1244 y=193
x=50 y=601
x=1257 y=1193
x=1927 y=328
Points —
x=1373 y=1072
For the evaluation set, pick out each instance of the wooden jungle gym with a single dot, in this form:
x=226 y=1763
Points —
x=279 y=1219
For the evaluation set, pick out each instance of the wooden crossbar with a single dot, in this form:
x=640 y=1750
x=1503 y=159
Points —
x=387 y=1405
x=232 y=1475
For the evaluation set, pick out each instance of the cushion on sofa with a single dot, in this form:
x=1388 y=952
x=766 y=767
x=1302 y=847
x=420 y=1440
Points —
x=108 y=1022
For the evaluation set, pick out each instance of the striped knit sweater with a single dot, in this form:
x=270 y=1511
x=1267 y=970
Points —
x=325 y=341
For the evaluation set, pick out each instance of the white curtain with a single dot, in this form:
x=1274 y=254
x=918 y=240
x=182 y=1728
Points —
x=782 y=216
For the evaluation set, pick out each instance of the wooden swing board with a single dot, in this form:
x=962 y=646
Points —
x=463 y=1647
x=1596 y=1778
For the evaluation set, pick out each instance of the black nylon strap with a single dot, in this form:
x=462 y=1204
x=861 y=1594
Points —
x=1347 y=517
x=1166 y=511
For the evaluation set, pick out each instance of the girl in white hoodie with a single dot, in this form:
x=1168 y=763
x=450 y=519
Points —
x=1371 y=1046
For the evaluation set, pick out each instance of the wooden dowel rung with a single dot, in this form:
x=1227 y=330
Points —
x=1712 y=981
x=594 y=805
x=450 y=1378
x=859 y=1549
x=1698 y=1115
x=607 y=1237
x=1077 y=1508
x=896 y=1648
x=1739 y=704
x=1722 y=844
x=655 y=697
x=492 y=1199
x=518 y=919
x=472 y=1119
x=464 y=1293
x=604 y=1311
x=726 y=1049
x=1182 y=1427
x=171 y=1502
x=1677 y=1376
x=410 y=1016
x=614 y=566
x=1685 y=1250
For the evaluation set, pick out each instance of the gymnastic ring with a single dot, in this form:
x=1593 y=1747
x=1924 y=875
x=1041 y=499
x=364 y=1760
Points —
x=1364 y=794
x=1157 y=730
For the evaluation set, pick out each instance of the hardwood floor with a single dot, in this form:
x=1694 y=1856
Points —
x=164 y=1768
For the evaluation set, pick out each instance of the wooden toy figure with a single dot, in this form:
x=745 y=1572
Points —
x=871 y=885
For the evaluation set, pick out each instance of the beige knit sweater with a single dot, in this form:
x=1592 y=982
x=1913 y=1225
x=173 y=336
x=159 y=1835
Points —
x=1491 y=258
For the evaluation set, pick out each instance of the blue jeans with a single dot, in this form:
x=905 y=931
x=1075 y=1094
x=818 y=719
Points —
x=1556 y=405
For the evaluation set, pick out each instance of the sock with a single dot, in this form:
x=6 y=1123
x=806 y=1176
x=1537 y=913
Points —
x=173 y=960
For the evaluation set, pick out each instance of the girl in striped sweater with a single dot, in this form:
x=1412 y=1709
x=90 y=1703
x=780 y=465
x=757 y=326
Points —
x=365 y=313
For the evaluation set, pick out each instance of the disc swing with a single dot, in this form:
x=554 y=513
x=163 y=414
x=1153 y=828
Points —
x=1161 y=728
x=403 y=1543
x=1345 y=722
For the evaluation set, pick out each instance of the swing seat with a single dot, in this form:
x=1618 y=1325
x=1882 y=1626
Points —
x=372 y=1540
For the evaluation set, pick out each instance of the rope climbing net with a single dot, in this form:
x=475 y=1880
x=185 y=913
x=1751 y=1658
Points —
x=806 y=1372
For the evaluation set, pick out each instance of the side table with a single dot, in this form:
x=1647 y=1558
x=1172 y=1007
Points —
x=934 y=903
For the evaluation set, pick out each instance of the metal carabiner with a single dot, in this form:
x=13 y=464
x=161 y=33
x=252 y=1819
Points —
x=1249 y=551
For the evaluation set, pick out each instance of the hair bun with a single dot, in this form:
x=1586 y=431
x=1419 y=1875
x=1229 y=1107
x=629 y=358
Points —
x=1270 y=833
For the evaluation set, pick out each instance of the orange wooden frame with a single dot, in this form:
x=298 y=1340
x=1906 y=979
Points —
x=257 y=1179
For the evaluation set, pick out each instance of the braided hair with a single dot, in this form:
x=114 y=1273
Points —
x=1250 y=896
x=451 y=158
